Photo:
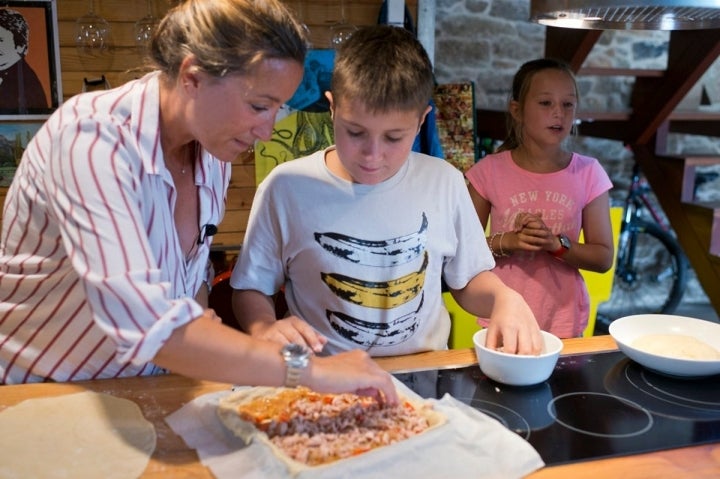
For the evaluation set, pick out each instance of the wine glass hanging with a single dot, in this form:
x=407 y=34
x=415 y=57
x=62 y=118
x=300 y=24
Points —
x=300 y=11
x=92 y=33
x=145 y=27
x=341 y=30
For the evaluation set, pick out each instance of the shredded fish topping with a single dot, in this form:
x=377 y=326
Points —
x=314 y=428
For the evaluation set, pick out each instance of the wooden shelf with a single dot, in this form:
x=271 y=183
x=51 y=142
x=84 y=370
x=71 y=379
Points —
x=627 y=72
x=611 y=124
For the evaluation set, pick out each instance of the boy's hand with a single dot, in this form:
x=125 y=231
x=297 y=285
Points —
x=513 y=326
x=291 y=330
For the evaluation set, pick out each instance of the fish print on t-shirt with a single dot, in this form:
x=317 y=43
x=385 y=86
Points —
x=384 y=295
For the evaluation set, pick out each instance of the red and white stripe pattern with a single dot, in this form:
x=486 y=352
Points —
x=92 y=276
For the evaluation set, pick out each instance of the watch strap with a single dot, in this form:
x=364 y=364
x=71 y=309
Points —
x=563 y=247
x=292 y=376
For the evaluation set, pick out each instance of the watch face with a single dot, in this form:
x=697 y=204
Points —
x=564 y=241
x=296 y=358
x=294 y=351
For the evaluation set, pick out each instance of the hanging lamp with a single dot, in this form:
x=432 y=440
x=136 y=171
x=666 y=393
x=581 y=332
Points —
x=627 y=14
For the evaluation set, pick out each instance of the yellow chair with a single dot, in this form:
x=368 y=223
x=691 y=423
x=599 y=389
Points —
x=463 y=324
x=600 y=285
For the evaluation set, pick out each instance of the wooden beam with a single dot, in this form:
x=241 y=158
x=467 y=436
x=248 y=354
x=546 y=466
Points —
x=690 y=54
x=608 y=129
x=569 y=44
x=705 y=128
x=625 y=72
x=491 y=124
x=692 y=225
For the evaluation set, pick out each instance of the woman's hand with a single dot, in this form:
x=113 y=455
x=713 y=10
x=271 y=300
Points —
x=352 y=371
x=205 y=349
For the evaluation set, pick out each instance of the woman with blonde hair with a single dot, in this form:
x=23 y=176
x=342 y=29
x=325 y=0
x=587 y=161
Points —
x=104 y=253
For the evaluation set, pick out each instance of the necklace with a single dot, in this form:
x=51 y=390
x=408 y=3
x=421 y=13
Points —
x=188 y=157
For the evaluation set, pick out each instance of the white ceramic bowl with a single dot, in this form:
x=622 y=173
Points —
x=625 y=331
x=514 y=369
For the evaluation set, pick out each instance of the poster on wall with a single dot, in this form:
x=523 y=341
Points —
x=304 y=125
x=14 y=138
x=298 y=134
x=456 y=123
x=30 y=86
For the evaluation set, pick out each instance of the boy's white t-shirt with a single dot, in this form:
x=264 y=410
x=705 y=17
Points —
x=363 y=263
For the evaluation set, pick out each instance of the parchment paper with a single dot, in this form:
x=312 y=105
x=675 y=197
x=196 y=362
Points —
x=469 y=445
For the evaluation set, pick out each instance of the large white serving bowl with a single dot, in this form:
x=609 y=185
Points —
x=516 y=369
x=629 y=328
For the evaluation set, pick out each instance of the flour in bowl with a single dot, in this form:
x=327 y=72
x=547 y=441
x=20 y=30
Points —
x=677 y=346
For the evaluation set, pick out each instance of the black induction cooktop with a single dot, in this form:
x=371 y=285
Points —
x=593 y=406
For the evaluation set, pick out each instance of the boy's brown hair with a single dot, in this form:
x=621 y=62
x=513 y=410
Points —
x=385 y=68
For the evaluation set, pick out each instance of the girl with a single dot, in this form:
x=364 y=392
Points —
x=539 y=196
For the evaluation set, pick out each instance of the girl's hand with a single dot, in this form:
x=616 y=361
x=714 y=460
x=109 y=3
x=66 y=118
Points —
x=533 y=234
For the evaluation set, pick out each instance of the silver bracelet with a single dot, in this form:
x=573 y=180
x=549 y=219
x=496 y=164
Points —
x=502 y=253
x=490 y=245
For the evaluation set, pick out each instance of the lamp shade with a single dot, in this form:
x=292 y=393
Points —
x=627 y=14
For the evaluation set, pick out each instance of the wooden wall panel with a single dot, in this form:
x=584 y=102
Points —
x=318 y=15
x=124 y=62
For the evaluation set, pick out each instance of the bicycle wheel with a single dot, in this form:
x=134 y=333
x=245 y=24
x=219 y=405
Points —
x=650 y=274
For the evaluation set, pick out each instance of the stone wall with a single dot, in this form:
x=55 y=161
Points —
x=486 y=41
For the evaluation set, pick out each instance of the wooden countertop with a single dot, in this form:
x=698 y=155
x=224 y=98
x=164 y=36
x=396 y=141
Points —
x=158 y=396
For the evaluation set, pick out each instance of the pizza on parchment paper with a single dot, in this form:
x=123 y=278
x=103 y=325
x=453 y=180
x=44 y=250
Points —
x=308 y=429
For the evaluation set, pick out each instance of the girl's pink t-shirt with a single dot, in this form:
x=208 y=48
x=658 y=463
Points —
x=554 y=290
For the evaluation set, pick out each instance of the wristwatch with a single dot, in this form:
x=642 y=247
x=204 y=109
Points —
x=564 y=246
x=296 y=358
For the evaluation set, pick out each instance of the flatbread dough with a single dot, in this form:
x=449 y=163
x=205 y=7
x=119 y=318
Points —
x=227 y=413
x=83 y=435
x=679 y=346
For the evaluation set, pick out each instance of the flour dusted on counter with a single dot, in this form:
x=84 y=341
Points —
x=679 y=346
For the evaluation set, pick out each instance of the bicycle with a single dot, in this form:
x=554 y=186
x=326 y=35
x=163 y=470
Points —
x=651 y=271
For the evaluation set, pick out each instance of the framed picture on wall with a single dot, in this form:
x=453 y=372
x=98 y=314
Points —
x=30 y=86
x=14 y=138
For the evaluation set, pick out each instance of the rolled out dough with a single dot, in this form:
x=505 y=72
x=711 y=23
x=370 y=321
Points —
x=678 y=346
x=83 y=435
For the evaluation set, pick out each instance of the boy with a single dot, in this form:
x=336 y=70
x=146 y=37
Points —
x=362 y=234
